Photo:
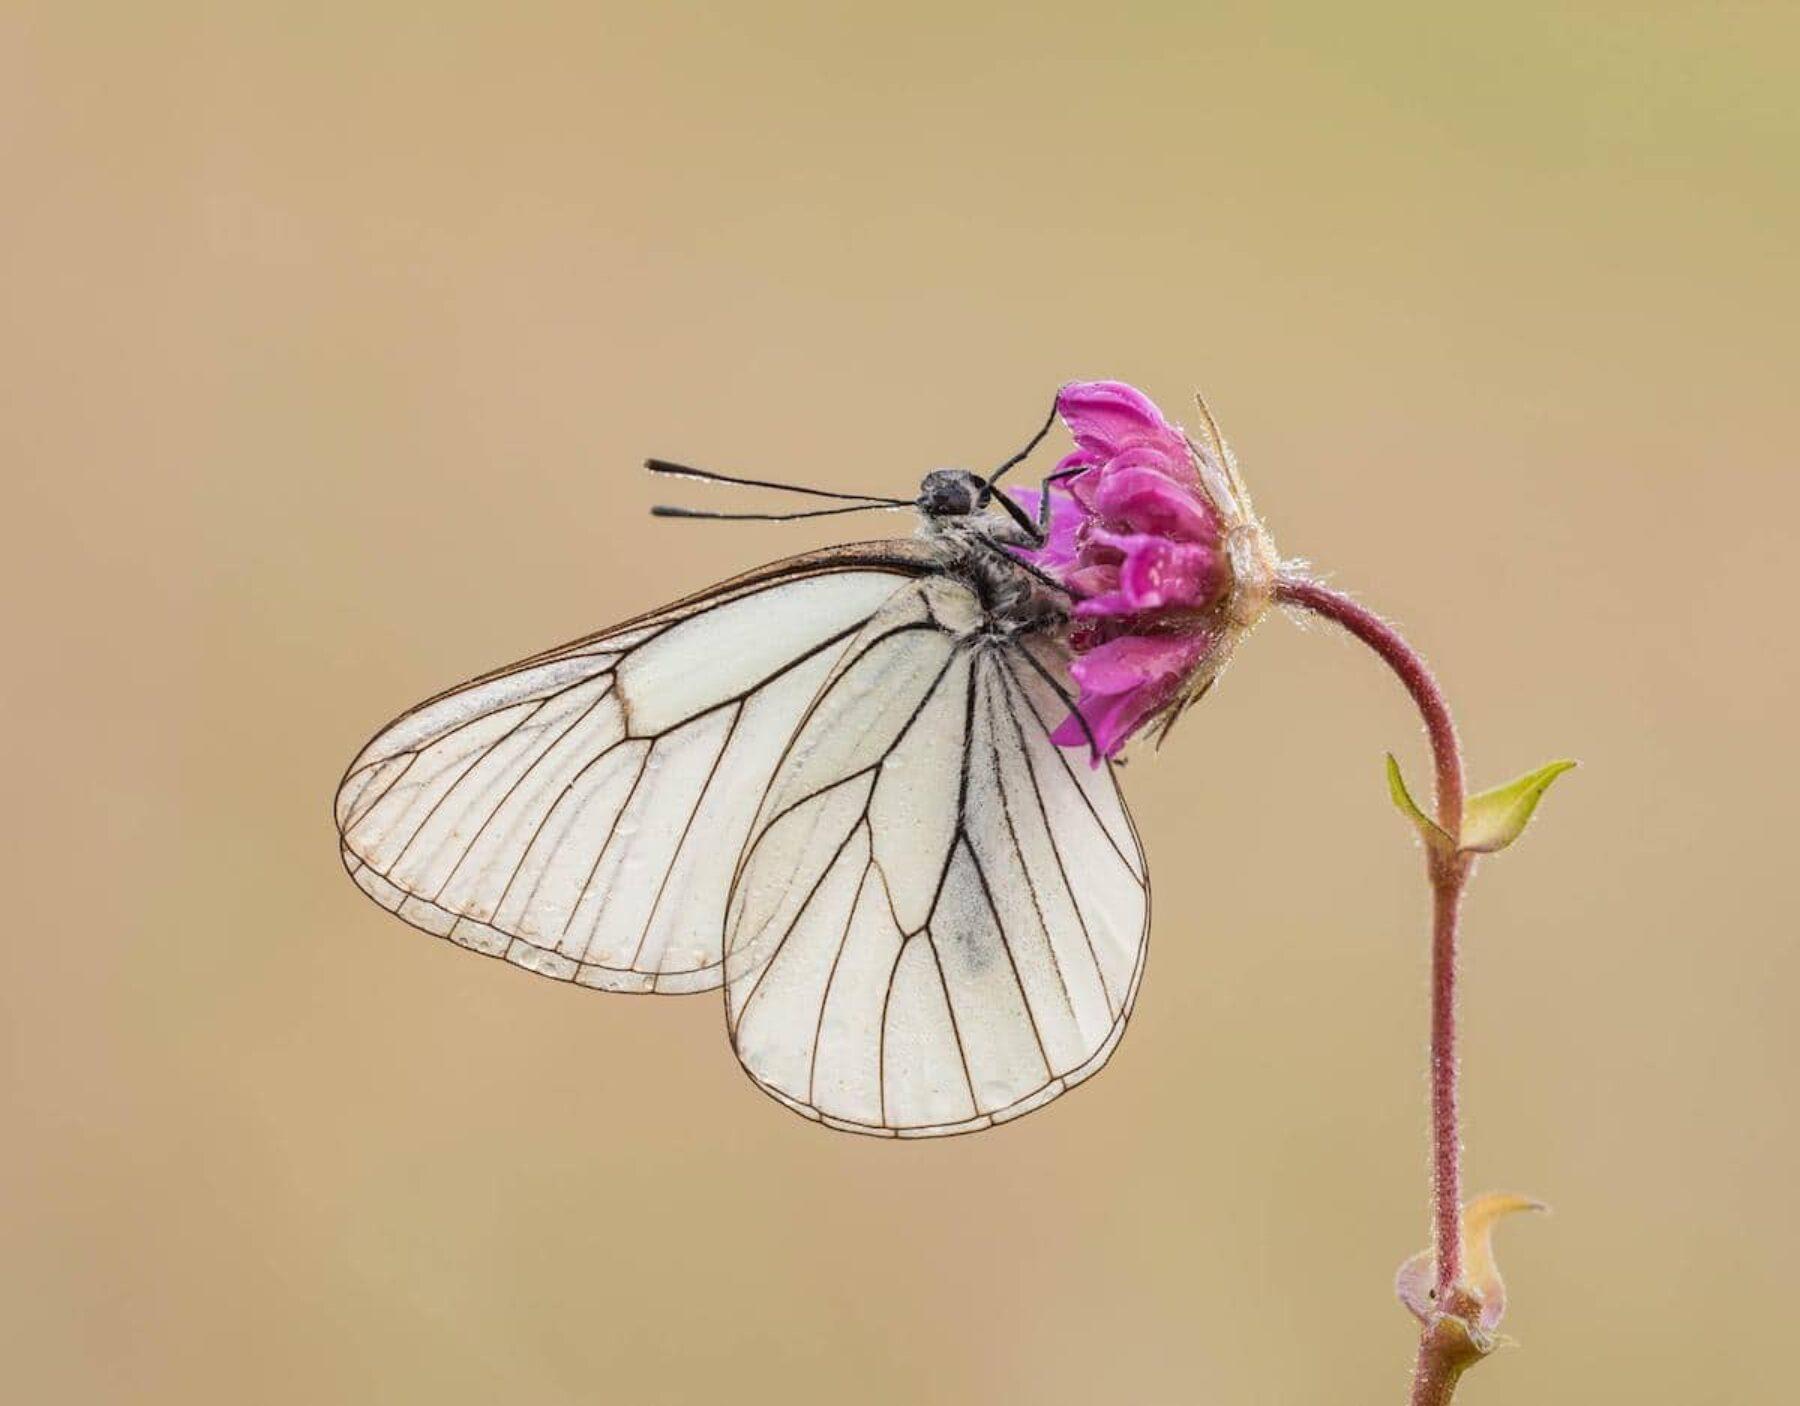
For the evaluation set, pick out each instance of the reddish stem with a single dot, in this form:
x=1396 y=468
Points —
x=1440 y=1365
x=1448 y=872
x=1381 y=637
x=1447 y=876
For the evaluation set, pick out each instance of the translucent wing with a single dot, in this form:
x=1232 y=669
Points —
x=580 y=812
x=939 y=920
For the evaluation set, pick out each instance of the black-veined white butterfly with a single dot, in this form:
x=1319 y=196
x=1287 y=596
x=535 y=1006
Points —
x=827 y=786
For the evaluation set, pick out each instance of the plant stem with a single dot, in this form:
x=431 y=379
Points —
x=1436 y=1371
x=1447 y=878
x=1448 y=871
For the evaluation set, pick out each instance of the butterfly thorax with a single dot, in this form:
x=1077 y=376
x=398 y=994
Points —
x=973 y=546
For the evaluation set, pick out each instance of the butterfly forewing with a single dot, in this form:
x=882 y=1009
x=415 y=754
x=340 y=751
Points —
x=939 y=919
x=581 y=812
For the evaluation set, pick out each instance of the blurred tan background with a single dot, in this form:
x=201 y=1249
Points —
x=332 y=339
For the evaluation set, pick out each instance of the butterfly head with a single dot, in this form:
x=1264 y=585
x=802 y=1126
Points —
x=952 y=493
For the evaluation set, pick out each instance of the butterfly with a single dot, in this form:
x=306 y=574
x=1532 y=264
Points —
x=827 y=787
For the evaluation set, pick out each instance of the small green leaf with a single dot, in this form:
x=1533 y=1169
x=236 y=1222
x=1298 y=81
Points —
x=1492 y=820
x=1428 y=828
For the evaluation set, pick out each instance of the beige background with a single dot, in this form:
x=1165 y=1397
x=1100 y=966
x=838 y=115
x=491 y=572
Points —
x=332 y=338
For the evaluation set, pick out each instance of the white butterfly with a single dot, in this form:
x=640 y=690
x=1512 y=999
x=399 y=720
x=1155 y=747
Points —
x=827 y=786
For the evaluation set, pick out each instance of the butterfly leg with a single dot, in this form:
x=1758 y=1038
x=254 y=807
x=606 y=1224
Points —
x=1043 y=514
x=1036 y=533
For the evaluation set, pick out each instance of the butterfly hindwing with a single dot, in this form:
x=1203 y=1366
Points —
x=939 y=919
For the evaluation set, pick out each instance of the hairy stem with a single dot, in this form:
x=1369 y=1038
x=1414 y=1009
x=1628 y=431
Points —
x=1435 y=1372
x=1447 y=871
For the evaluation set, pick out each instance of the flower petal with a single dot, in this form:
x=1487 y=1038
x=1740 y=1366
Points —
x=1153 y=573
x=1124 y=681
x=1140 y=497
x=1107 y=417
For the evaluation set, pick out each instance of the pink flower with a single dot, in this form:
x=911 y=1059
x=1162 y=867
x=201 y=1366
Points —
x=1141 y=526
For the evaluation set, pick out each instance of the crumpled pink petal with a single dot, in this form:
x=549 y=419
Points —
x=1152 y=573
x=1146 y=498
x=1123 y=682
x=1107 y=418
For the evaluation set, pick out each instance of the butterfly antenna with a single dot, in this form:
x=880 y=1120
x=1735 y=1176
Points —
x=664 y=510
x=673 y=470
x=1035 y=441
